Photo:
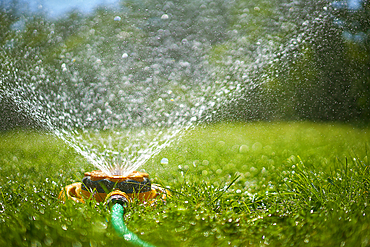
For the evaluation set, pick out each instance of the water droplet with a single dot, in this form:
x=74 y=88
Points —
x=164 y=161
x=164 y=17
x=48 y=241
x=124 y=55
x=117 y=18
x=244 y=149
x=127 y=237
x=221 y=145
x=257 y=146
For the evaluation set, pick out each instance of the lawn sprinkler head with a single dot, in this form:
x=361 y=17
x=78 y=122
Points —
x=113 y=188
x=101 y=183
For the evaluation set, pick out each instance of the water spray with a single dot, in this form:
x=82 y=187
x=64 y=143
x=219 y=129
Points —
x=117 y=191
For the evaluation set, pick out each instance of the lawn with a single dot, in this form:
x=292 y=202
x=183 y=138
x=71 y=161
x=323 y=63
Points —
x=235 y=184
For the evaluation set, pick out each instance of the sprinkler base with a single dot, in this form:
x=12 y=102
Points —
x=99 y=186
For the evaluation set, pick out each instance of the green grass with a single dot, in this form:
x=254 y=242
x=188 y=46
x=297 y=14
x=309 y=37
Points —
x=256 y=184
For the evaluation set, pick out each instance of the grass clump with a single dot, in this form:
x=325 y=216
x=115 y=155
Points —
x=278 y=184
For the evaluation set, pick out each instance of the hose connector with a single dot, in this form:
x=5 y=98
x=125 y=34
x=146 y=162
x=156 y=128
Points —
x=119 y=197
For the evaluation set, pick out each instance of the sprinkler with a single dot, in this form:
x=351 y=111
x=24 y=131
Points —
x=102 y=187
x=116 y=191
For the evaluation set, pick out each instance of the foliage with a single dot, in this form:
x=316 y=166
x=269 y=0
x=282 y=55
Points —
x=327 y=76
x=239 y=184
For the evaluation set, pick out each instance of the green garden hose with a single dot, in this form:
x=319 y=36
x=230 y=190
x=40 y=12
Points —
x=117 y=212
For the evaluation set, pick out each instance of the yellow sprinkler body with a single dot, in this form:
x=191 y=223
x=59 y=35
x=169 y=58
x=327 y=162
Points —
x=101 y=187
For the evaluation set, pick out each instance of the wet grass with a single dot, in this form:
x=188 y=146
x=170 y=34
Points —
x=277 y=184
